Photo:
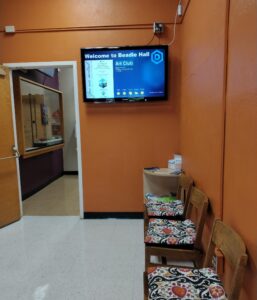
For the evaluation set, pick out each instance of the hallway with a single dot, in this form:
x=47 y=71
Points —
x=60 y=198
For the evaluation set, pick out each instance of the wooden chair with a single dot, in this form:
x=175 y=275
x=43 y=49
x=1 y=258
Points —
x=178 y=240
x=173 y=210
x=174 y=283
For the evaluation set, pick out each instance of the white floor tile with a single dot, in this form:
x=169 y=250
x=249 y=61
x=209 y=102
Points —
x=52 y=258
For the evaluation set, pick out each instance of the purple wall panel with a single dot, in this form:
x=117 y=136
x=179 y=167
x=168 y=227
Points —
x=36 y=172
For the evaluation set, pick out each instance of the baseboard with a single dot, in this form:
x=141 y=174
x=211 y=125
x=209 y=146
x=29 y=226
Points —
x=113 y=215
x=70 y=173
x=37 y=189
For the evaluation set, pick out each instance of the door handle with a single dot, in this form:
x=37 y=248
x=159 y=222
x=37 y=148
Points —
x=15 y=152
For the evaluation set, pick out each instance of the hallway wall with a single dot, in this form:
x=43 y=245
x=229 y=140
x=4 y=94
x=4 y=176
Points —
x=70 y=157
x=219 y=116
x=117 y=140
x=202 y=98
x=240 y=193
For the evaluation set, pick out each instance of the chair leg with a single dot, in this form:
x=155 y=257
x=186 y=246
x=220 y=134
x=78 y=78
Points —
x=199 y=261
x=164 y=260
x=146 y=222
x=147 y=258
x=145 y=286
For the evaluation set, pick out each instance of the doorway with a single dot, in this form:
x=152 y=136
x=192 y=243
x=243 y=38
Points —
x=71 y=181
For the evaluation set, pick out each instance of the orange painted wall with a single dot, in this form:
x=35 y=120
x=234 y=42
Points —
x=117 y=140
x=203 y=43
x=219 y=113
x=240 y=193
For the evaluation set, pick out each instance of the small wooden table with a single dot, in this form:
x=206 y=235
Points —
x=160 y=182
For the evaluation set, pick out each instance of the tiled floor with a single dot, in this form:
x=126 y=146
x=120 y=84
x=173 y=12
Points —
x=65 y=258
x=60 y=198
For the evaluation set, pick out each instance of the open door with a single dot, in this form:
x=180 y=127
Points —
x=9 y=191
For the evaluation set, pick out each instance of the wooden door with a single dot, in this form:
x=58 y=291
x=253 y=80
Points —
x=9 y=193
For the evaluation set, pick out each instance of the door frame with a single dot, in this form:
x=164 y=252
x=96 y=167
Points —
x=52 y=64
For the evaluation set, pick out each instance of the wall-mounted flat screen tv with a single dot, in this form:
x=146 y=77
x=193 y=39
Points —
x=125 y=74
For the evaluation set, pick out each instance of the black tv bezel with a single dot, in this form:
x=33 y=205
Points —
x=125 y=100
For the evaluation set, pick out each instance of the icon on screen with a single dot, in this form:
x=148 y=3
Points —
x=102 y=83
x=157 y=57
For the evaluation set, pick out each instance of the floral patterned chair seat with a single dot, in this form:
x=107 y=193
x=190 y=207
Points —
x=172 y=209
x=171 y=232
x=167 y=283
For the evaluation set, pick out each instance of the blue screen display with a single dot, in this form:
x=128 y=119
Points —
x=125 y=73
